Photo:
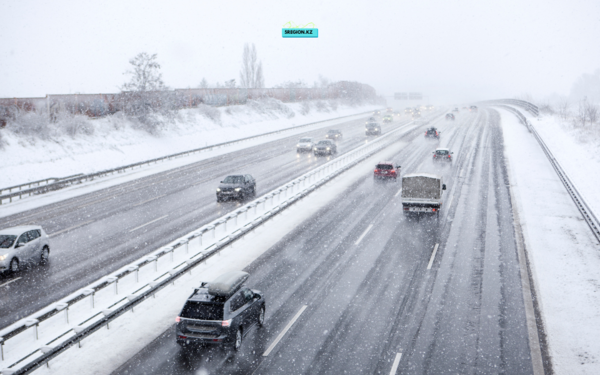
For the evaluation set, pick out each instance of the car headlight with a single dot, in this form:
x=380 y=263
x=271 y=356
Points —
x=327 y=148
x=218 y=189
x=238 y=189
x=3 y=257
x=298 y=145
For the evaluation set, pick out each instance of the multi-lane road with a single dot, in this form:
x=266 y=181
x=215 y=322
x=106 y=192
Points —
x=368 y=295
x=95 y=234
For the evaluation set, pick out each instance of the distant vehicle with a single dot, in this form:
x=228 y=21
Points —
x=422 y=192
x=442 y=155
x=388 y=118
x=376 y=113
x=372 y=128
x=325 y=147
x=389 y=110
x=333 y=134
x=408 y=110
x=432 y=133
x=23 y=245
x=236 y=187
x=416 y=114
x=371 y=119
x=386 y=170
x=305 y=145
x=450 y=116
x=473 y=108
x=455 y=110
x=220 y=313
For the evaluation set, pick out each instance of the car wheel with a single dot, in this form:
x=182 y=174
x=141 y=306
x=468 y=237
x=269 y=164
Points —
x=45 y=255
x=14 y=265
x=261 y=317
x=238 y=340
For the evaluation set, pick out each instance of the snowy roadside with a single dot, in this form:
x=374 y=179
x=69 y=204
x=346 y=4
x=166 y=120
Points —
x=563 y=252
x=113 y=141
x=108 y=349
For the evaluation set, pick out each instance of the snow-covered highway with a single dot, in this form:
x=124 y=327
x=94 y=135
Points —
x=373 y=306
x=97 y=233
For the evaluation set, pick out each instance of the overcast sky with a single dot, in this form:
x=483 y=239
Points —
x=448 y=49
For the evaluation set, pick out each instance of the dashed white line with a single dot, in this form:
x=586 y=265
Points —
x=364 y=234
x=68 y=229
x=287 y=328
x=12 y=281
x=148 y=223
x=396 y=364
x=399 y=191
x=432 y=256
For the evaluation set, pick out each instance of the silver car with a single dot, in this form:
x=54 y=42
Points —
x=305 y=145
x=21 y=245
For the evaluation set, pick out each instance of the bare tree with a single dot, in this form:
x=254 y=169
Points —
x=230 y=84
x=203 y=84
x=145 y=75
x=251 y=75
x=591 y=112
x=563 y=108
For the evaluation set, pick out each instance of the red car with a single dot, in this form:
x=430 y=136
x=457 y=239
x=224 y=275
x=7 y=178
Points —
x=385 y=170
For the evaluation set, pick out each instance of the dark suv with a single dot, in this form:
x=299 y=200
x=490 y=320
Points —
x=372 y=128
x=432 y=133
x=473 y=108
x=325 y=147
x=333 y=134
x=236 y=187
x=221 y=312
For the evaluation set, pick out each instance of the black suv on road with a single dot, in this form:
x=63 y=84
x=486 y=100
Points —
x=220 y=313
x=372 y=128
x=432 y=133
x=236 y=187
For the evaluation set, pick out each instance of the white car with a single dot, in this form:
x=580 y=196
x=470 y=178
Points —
x=305 y=145
x=21 y=245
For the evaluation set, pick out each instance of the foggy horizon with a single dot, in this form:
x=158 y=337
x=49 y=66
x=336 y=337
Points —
x=451 y=52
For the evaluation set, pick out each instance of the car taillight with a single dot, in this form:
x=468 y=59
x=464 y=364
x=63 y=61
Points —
x=226 y=323
x=449 y=156
x=183 y=337
x=436 y=133
x=433 y=209
x=405 y=208
x=177 y=320
x=376 y=170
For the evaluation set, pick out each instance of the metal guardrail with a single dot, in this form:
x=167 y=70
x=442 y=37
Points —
x=587 y=213
x=532 y=108
x=80 y=178
x=297 y=188
x=45 y=181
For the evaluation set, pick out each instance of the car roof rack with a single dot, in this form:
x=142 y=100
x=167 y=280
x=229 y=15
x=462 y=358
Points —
x=228 y=283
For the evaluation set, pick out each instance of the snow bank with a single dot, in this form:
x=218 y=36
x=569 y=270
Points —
x=31 y=150
x=578 y=152
x=563 y=252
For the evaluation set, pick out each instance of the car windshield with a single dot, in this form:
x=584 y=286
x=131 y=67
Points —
x=305 y=140
x=385 y=166
x=202 y=310
x=441 y=152
x=233 y=180
x=7 y=240
x=332 y=132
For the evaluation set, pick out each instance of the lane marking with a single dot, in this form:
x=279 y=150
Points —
x=149 y=200
x=364 y=234
x=399 y=191
x=432 y=256
x=12 y=281
x=396 y=363
x=148 y=223
x=68 y=229
x=289 y=325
